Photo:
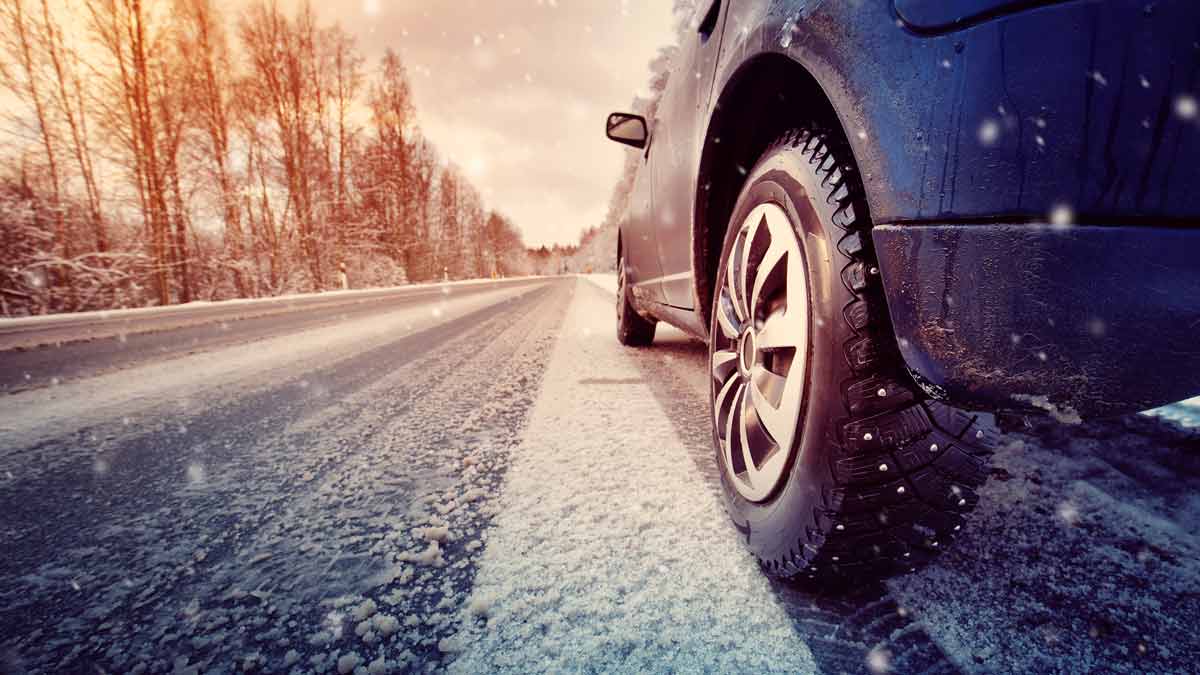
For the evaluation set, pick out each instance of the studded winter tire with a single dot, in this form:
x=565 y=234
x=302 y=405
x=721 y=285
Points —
x=834 y=465
x=632 y=329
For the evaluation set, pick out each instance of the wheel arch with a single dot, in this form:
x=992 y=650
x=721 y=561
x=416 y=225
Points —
x=767 y=95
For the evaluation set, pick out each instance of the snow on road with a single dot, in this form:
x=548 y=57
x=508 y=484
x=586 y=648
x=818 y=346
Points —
x=492 y=484
x=189 y=381
x=324 y=520
x=607 y=282
x=1082 y=556
x=608 y=553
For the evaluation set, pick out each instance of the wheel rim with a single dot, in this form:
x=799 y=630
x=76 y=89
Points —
x=760 y=352
x=620 y=288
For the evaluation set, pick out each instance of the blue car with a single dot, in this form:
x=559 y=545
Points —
x=892 y=219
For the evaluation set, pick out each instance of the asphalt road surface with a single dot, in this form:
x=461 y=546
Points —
x=479 y=479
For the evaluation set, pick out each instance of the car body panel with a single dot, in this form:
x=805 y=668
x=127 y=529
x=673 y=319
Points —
x=674 y=162
x=638 y=239
x=1077 y=321
x=942 y=16
x=970 y=114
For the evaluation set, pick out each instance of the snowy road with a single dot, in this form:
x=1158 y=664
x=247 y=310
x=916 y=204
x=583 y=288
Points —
x=486 y=481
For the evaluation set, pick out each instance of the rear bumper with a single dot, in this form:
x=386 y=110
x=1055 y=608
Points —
x=1086 y=320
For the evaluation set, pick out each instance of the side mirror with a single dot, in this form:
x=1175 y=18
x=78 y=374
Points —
x=627 y=128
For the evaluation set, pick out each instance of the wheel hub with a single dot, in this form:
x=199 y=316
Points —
x=747 y=352
x=759 y=350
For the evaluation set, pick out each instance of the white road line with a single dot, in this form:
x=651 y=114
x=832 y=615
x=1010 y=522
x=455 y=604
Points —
x=608 y=552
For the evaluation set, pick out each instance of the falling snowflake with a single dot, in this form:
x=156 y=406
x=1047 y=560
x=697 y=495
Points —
x=195 y=473
x=879 y=660
x=1061 y=216
x=1186 y=107
x=1069 y=513
x=989 y=132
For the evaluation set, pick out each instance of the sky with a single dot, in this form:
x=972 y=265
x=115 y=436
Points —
x=515 y=92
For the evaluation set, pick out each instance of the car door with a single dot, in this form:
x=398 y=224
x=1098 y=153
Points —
x=676 y=157
x=638 y=240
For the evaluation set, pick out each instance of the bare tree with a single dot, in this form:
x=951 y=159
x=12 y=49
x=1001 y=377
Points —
x=122 y=29
x=346 y=82
x=203 y=44
x=280 y=52
x=450 y=242
x=25 y=80
x=424 y=173
x=151 y=107
x=69 y=101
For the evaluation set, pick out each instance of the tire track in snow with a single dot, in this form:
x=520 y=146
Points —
x=1082 y=556
x=604 y=555
x=856 y=632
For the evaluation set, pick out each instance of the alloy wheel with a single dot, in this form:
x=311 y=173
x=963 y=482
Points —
x=760 y=351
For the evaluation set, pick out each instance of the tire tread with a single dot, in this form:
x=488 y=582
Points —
x=876 y=522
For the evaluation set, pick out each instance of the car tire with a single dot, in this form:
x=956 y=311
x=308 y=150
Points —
x=632 y=329
x=835 y=466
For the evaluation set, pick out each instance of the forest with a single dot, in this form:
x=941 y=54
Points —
x=161 y=151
